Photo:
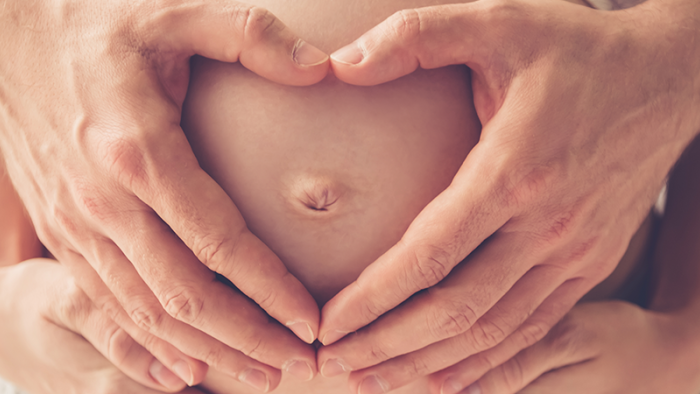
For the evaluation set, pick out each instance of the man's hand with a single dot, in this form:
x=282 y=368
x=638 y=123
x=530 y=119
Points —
x=614 y=347
x=90 y=100
x=584 y=112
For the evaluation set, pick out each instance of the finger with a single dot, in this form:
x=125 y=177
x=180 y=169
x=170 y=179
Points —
x=526 y=367
x=188 y=369
x=499 y=372
x=230 y=31
x=77 y=313
x=200 y=346
x=443 y=234
x=484 y=335
x=199 y=300
x=203 y=216
x=427 y=37
x=448 y=309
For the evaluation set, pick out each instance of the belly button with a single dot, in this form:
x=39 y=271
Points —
x=316 y=194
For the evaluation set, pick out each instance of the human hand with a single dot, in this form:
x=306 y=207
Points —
x=584 y=112
x=89 y=126
x=604 y=347
x=52 y=336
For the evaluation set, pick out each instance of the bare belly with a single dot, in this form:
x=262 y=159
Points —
x=328 y=176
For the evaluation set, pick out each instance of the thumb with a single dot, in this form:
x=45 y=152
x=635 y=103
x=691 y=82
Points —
x=427 y=37
x=229 y=31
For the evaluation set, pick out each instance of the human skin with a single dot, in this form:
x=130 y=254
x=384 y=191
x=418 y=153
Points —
x=329 y=175
x=18 y=240
x=90 y=97
x=584 y=112
x=53 y=340
x=626 y=348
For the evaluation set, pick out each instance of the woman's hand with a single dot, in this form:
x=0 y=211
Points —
x=603 y=347
x=584 y=112
x=90 y=100
x=53 y=340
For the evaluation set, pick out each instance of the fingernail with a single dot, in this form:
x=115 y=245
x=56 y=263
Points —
x=334 y=367
x=302 y=330
x=182 y=369
x=256 y=379
x=473 y=389
x=305 y=54
x=164 y=376
x=350 y=54
x=300 y=369
x=373 y=384
x=333 y=336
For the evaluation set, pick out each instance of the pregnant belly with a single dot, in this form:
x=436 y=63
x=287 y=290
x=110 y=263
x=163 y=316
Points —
x=329 y=176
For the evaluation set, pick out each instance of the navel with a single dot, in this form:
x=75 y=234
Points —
x=316 y=194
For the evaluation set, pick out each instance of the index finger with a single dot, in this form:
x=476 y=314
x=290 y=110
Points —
x=444 y=233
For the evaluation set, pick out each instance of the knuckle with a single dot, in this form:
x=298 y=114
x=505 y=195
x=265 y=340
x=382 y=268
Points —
x=377 y=353
x=212 y=250
x=215 y=357
x=184 y=304
x=265 y=299
x=370 y=311
x=254 y=348
x=110 y=306
x=66 y=223
x=417 y=366
x=531 y=332
x=147 y=316
x=255 y=22
x=406 y=25
x=525 y=186
x=429 y=265
x=485 y=335
x=124 y=159
x=452 y=320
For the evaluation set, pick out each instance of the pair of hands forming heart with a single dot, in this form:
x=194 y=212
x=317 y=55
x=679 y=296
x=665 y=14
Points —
x=584 y=113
